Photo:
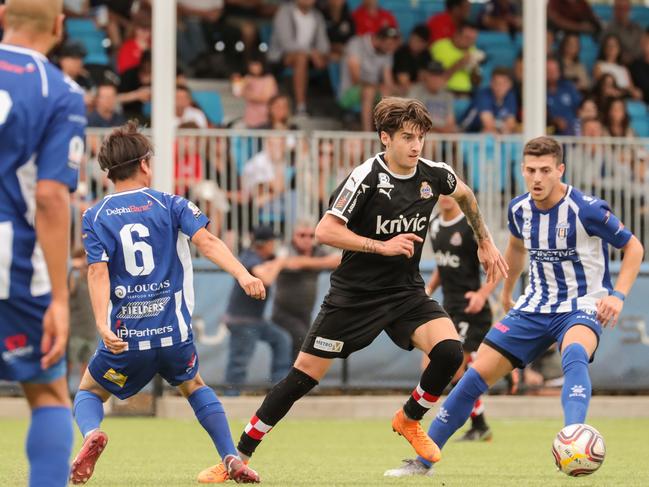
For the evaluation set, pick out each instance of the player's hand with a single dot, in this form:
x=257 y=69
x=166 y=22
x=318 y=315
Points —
x=492 y=260
x=506 y=301
x=608 y=310
x=112 y=342
x=252 y=286
x=402 y=244
x=476 y=302
x=56 y=327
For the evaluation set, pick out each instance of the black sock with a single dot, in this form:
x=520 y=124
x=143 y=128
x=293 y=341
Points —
x=276 y=404
x=445 y=358
x=478 y=422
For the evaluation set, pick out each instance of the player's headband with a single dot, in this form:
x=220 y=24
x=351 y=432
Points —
x=108 y=169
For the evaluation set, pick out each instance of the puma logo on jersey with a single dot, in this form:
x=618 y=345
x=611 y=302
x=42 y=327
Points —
x=401 y=224
x=446 y=259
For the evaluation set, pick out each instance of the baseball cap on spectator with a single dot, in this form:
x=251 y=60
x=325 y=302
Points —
x=72 y=49
x=388 y=33
x=263 y=233
x=434 y=67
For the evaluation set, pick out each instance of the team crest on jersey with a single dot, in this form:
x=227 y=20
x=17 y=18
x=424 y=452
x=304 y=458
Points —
x=562 y=230
x=385 y=186
x=456 y=239
x=425 y=191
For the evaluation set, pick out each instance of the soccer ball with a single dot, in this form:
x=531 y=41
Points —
x=578 y=449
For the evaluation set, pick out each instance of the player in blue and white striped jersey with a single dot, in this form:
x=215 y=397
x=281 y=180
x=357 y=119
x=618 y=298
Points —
x=141 y=287
x=569 y=298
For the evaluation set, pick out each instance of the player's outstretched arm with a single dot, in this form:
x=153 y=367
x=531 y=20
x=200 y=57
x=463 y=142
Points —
x=610 y=307
x=332 y=231
x=52 y=223
x=213 y=248
x=489 y=256
x=515 y=256
x=99 y=287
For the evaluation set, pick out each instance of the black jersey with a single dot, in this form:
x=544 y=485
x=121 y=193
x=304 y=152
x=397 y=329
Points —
x=456 y=254
x=379 y=204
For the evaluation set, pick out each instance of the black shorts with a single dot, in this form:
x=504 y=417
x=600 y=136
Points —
x=471 y=328
x=347 y=323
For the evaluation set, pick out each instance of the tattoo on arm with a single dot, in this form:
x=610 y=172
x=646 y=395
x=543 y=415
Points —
x=469 y=205
x=370 y=246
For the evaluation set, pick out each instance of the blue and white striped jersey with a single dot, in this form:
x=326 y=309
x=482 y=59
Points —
x=42 y=122
x=143 y=236
x=568 y=249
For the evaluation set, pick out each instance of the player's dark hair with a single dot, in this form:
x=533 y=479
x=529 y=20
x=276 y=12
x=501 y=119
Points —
x=121 y=152
x=392 y=113
x=544 y=146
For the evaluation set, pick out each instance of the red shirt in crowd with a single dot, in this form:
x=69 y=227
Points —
x=129 y=56
x=371 y=22
x=441 y=26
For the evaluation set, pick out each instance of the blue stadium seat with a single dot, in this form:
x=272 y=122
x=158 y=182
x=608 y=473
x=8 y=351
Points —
x=604 y=12
x=640 y=14
x=210 y=102
x=636 y=109
x=334 y=77
x=488 y=39
x=406 y=19
x=501 y=56
x=94 y=42
x=588 y=52
x=460 y=107
x=78 y=27
x=640 y=126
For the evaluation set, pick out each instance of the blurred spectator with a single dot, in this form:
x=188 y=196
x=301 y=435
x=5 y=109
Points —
x=604 y=89
x=587 y=111
x=69 y=57
x=640 y=69
x=410 y=58
x=130 y=53
x=263 y=176
x=244 y=316
x=83 y=334
x=188 y=165
x=592 y=127
x=299 y=38
x=185 y=110
x=297 y=283
x=279 y=114
x=609 y=61
x=563 y=100
x=628 y=32
x=460 y=58
x=195 y=17
x=616 y=119
x=105 y=113
x=572 y=69
x=573 y=16
x=120 y=16
x=439 y=102
x=443 y=25
x=135 y=89
x=517 y=81
x=340 y=25
x=494 y=108
x=369 y=18
x=258 y=88
x=501 y=16
x=366 y=72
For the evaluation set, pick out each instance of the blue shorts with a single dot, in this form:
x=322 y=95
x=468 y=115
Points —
x=522 y=336
x=21 y=331
x=125 y=374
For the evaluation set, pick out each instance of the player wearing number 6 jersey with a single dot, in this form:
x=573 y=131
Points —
x=140 y=280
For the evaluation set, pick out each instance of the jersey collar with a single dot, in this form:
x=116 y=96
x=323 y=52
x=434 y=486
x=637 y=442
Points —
x=23 y=50
x=379 y=157
x=451 y=222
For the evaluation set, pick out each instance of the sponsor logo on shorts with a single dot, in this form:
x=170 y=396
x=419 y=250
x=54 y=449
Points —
x=501 y=327
x=123 y=210
x=150 y=287
x=124 y=333
x=16 y=346
x=401 y=224
x=143 y=309
x=328 y=345
x=191 y=364
x=115 y=377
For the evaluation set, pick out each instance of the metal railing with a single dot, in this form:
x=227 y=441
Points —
x=242 y=178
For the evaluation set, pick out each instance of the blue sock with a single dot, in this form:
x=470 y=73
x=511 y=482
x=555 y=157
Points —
x=575 y=394
x=88 y=411
x=49 y=445
x=210 y=413
x=456 y=409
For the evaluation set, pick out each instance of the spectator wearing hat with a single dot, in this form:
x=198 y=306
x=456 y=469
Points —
x=244 y=316
x=411 y=58
x=366 y=72
x=494 y=108
x=299 y=39
x=369 y=18
x=105 y=113
x=69 y=58
x=438 y=100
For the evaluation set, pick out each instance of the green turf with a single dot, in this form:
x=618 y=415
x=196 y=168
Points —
x=154 y=452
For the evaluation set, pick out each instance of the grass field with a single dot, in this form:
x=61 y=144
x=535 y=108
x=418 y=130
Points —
x=155 y=452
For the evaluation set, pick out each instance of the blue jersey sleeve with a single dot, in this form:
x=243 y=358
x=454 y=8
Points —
x=94 y=248
x=62 y=148
x=190 y=219
x=511 y=223
x=599 y=220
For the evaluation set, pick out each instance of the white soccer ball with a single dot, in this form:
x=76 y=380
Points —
x=578 y=449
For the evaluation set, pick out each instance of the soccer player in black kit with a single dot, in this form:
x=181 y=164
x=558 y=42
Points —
x=466 y=299
x=379 y=216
